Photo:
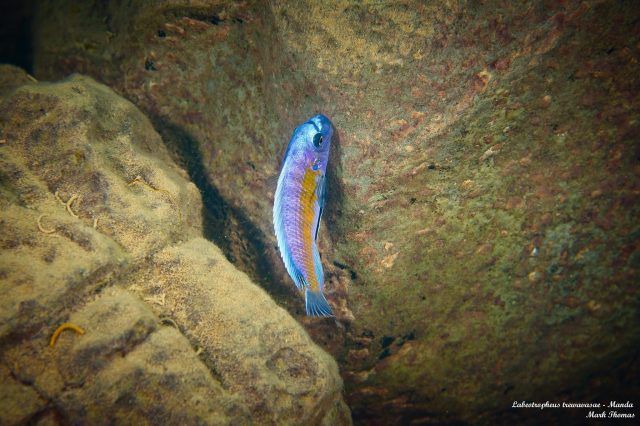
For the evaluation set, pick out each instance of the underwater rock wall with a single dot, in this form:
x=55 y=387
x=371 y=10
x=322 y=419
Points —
x=100 y=229
x=481 y=233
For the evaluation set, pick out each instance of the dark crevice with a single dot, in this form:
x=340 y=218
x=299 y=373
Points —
x=208 y=359
x=48 y=413
x=352 y=273
x=16 y=41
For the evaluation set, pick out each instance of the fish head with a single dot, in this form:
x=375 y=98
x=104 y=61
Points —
x=320 y=133
x=313 y=138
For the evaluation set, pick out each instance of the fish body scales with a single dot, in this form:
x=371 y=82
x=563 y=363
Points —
x=300 y=217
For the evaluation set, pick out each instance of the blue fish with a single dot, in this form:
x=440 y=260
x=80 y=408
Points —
x=297 y=208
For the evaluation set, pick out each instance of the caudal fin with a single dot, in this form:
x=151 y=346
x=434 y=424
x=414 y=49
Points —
x=316 y=304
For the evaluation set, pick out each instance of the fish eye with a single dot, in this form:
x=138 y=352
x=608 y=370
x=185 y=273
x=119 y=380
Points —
x=317 y=140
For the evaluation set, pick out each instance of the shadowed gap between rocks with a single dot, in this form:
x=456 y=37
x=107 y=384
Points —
x=226 y=226
x=16 y=41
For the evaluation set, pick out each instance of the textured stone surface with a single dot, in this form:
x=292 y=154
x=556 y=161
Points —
x=89 y=200
x=18 y=401
x=481 y=226
x=83 y=141
x=12 y=77
x=81 y=194
x=267 y=360
x=133 y=371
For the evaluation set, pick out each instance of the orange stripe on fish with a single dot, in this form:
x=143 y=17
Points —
x=307 y=213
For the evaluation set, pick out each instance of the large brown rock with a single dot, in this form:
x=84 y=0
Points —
x=252 y=346
x=481 y=233
x=87 y=188
x=96 y=223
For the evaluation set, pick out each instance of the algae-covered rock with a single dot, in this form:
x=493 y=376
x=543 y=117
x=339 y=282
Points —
x=18 y=401
x=97 y=155
x=12 y=77
x=91 y=204
x=130 y=368
x=269 y=360
x=481 y=232
x=86 y=187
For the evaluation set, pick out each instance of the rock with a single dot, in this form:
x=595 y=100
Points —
x=535 y=106
x=87 y=187
x=128 y=367
x=91 y=205
x=269 y=361
x=106 y=154
x=12 y=77
x=18 y=401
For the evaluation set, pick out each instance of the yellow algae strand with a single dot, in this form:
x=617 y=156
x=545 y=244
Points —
x=139 y=179
x=42 y=228
x=64 y=326
x=73 y=198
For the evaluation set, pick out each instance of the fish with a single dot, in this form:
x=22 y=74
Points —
x=297 y=208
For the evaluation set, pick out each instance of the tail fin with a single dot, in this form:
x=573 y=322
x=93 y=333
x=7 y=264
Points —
x=316 y=304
